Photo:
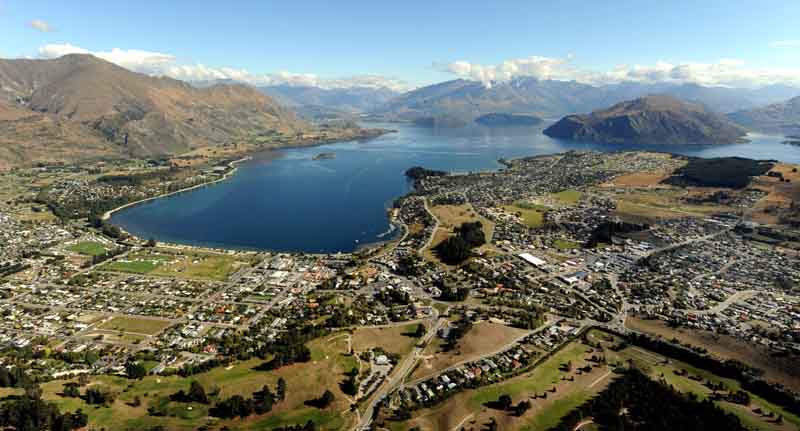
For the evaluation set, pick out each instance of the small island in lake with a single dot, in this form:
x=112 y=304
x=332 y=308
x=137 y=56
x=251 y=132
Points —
x=324 y=156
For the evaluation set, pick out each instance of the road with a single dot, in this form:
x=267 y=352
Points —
x=399 y=375
x=435 y=226
x=736 y=297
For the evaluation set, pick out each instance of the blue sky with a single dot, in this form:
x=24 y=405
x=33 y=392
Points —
x=419 y=41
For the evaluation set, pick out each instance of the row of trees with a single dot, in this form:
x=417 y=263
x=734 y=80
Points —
x=260 y=403
x=636 y=402
x=34 y=414
x=732 y=369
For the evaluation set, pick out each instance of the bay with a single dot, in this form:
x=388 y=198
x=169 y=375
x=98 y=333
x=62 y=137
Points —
x=284 y=200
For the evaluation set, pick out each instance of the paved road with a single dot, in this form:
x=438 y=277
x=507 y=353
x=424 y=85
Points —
x=736 y=297
x=400 y=374
x=435 y=226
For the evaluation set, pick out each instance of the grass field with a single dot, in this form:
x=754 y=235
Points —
x=468 y=408
x=137 y=264
x=192 y=266
x=135 y=325
x=532 y=215
x=777 y=369
x=304 y=381
x=482 y=338
x=202 y=266
x=544 y=414
x=392 y=339
x=563 y=244
x=658 y=368
x=450 y=217
x=88 y=248
x=568 y=197
x=639 y=179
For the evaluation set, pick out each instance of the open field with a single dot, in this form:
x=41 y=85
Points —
x=450 y=217
x=467 y=408
x=140 y=263
x=568 y=197
x=391 y=339
x=89 y=248
x=304 y=381
x=639 y=179
x=563 y=244
x=665 y=203
x=202 y=266
x=657 y=368
x=777 y=369
x=482 y=338
x=532 y=215
x=135 y=325
x=205 y=266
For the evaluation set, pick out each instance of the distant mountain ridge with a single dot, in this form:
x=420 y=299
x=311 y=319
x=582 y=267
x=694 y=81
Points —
x=78 y=106
x=656 y=119
x=461 y=101
x=353 y=99
x=781 y=117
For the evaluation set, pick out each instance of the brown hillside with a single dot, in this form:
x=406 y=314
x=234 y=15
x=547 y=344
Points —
x=100 y=109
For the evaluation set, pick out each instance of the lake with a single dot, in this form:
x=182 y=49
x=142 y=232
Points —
x=284 y=200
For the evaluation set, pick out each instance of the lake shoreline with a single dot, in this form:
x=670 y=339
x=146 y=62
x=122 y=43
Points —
x=370 y=170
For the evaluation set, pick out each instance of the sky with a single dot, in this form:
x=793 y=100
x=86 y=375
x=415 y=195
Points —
x=409 y=43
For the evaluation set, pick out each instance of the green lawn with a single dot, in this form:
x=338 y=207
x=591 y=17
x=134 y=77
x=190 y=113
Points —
x=201 y=266
x=532 y=215
x=304 y=381
x=543 y=377
x=134 y=324
x=552 y=415
x=88 y=248
x=133 y=266
x=568 y=197
x=563 y=244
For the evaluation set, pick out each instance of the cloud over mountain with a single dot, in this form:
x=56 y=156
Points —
x=726 y=72
x=160 y=64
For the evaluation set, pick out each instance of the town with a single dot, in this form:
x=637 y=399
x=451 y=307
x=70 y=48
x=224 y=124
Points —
x=495 y=276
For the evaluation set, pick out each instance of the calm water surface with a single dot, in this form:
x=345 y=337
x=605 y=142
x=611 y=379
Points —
x=283 y=200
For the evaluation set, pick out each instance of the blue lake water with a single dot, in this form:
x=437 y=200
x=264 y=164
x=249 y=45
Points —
x=285 y=201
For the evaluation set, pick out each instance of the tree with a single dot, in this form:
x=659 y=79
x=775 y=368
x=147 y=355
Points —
x=232 y=407
x=71 y=390
x=135 y=370
x=98 y=395
x=197 y=393
x=151 y=242
x=504 y=402
x=322 y=402
x=349 y=386
x=281 y=391
x=420 y=331
x=521 y=408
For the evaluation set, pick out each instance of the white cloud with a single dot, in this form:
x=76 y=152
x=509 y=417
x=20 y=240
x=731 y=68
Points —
x=133 y=59
x=42 y=26
x=784 y=43
x=725 y=72
x=156 y=63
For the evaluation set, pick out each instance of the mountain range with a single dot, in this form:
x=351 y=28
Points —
x=656 y=119
x=461 y=101
x=80 y=106
x=783 y=118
